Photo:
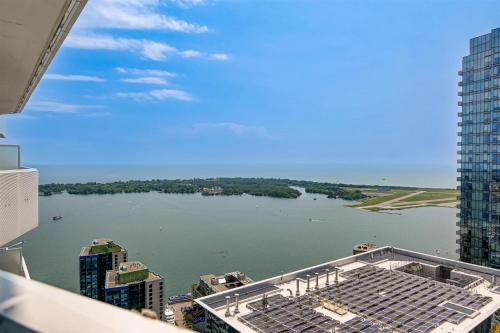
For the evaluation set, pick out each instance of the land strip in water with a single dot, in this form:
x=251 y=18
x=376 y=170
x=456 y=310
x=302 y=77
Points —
x=396 y=199
x=369 y=197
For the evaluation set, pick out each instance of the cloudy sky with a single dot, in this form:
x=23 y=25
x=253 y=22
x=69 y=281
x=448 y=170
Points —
x=207 y=81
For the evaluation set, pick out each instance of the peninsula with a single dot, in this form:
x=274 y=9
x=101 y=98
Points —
x=369 y=197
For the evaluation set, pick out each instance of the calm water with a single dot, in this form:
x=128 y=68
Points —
x=259 y=236
x=200 y=235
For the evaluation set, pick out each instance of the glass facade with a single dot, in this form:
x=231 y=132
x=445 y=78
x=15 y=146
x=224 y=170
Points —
x=479 y=152
x=93 y=274
x=130 y=296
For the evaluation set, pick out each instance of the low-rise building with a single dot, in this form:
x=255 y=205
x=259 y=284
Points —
x=210 y=284
x=384 y=290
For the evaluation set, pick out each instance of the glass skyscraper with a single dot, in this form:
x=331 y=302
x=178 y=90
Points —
x=479 y=152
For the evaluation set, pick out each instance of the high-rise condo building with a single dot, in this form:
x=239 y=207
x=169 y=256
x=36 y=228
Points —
x=479 y=152
x=95 y=260
x=133 y=286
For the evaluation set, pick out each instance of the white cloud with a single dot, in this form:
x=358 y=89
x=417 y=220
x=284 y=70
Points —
x=66 y=77
x=234 y=128
x=152 y=72
x=156 y=51
x=147 y=48
x=135 y=14
x=219 y=56
x=58 y=107
x=135 y=95
x=162 y=94
x=190 y=54
x=187 y=3
x=159 y=94
x=146 y=80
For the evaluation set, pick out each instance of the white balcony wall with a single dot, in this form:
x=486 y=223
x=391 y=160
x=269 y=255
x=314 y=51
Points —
x=18 y=203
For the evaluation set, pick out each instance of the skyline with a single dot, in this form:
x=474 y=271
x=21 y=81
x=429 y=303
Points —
x=194 y=81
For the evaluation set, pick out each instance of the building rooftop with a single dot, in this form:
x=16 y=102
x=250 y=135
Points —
x=383 y=290
x=129 y=272
x=227 y=281
x=101 y=245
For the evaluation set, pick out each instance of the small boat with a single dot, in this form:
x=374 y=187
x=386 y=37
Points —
x=178 y=299
x=314 y=199
x=57 y=218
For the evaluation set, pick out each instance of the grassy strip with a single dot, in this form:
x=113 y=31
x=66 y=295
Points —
x=432 y=196
x=382 y=199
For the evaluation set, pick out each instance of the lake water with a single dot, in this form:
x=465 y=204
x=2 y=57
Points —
x=184 y=236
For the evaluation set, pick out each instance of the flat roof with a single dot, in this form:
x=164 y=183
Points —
x=384 y=290
x=112 y=279
x=222 y=283
x=101 y=245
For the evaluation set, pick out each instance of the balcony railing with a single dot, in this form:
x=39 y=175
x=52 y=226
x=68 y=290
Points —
x=10 y=157
x=12 y=261
x=31 y=306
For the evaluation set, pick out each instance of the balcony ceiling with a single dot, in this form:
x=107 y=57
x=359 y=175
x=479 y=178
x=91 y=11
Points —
x=31 y=32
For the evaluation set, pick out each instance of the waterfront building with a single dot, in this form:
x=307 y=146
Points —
x=210 y=284
x=479 y=152
x=102 y=255
x=134 y=286
x=384 y=290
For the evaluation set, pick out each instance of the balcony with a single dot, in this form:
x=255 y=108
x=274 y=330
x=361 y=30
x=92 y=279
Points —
x=460 y=93
x=460 y=83
x=18 y=195
x=460 y=114
x=460 y=103
x=460 y=73
x=31 y=306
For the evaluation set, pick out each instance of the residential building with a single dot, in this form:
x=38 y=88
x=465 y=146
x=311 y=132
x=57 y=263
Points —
x=383 y=290
x=102 y=255
x=210 y=284
x=479 y=152
x=134 y=286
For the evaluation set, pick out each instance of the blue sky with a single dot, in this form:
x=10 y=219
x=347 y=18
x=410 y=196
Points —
x=205 y=81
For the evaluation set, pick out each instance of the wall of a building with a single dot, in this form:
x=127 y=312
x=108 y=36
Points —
x=154 y=296
x=19 y=200
x=480 y=152
x=93 y=274
x=117 y=258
